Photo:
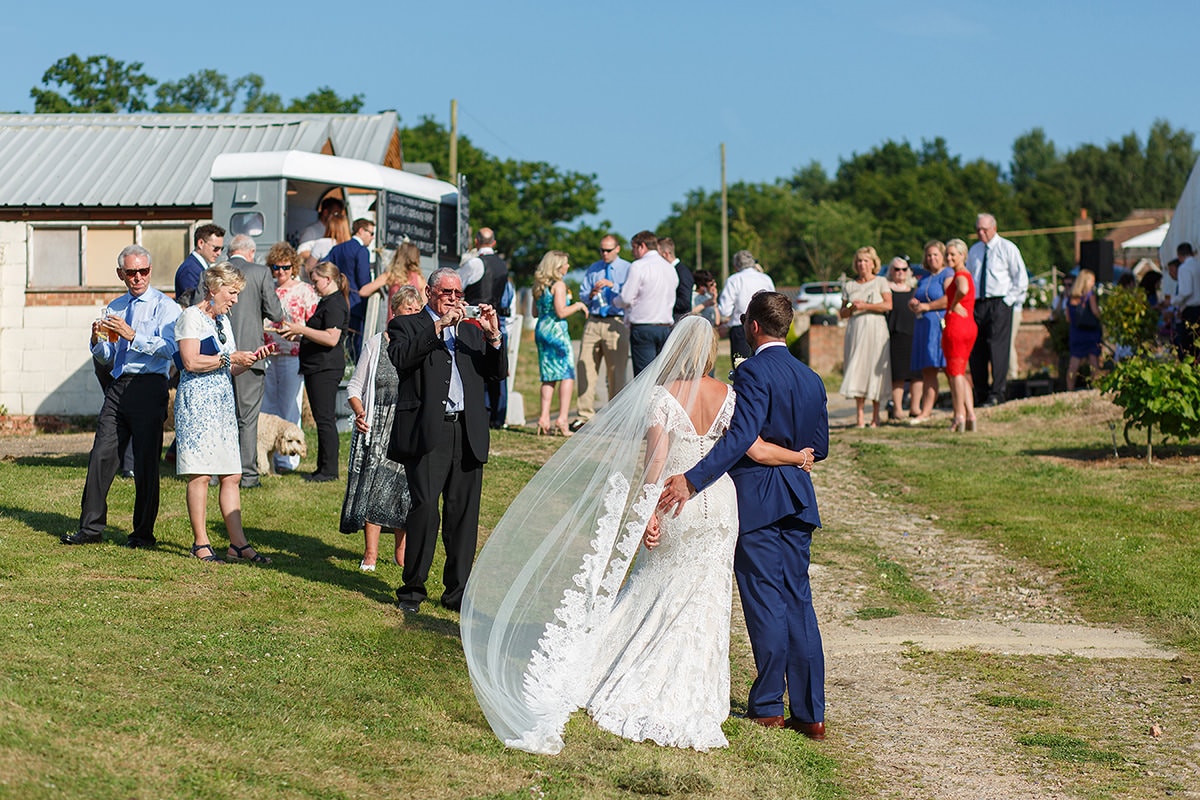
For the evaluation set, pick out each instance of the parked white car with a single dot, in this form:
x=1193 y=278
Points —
x=821 y=297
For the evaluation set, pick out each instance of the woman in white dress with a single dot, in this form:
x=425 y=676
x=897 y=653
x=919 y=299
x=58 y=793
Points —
x=206 y=431
x=554 y=619
x=866 y=363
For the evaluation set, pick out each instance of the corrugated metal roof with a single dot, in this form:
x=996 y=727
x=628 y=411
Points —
x=159 y=159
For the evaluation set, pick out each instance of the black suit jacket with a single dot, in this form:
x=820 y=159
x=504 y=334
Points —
x=256 y=300
x=423 y=364
x=683 y=292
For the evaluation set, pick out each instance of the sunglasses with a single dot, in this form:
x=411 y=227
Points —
x=609 y=249
x=278 y=267
x=899 y=269
x=129 y=273
x=450 y=293
x=220 y=331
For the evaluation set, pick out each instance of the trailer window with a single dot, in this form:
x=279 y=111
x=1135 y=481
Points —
x=250 y=223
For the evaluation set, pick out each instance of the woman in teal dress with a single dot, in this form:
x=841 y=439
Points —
x=552 y=302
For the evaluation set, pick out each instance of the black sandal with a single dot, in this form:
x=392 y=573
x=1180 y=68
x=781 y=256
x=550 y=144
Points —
x=257 y=558
x=212 y=554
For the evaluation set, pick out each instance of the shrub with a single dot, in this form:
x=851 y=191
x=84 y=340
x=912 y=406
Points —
x=1157 y=390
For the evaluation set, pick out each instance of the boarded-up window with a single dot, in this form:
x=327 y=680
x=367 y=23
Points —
x=55 y=257
x=103 y=245
x=168 y=247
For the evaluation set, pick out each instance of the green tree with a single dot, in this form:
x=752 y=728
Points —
x=325 y=101
x=92 y=85
x=203 y=91
x=531 y=205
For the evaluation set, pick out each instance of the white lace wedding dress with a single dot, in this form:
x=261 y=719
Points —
x=662 y=668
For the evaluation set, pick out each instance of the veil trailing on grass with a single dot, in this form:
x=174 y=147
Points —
x=546 y=579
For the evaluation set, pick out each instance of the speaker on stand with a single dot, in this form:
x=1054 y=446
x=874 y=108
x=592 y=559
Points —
x=1097 y=255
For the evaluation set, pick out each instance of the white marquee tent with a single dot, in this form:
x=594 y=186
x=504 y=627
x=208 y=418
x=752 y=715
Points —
x=1185 y=225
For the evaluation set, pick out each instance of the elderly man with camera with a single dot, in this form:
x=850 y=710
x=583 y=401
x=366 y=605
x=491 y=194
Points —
x=445 y=355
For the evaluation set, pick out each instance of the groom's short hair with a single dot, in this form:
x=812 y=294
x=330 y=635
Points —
x=773 y=313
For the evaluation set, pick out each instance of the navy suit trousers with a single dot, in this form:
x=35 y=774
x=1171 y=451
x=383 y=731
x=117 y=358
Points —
x=771 y=566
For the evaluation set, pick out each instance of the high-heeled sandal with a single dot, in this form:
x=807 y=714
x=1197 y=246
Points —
x=543 y=430
x=971 y=424
x=212 y=554
x=257 y=558
x=564 y=429
x=958 y=425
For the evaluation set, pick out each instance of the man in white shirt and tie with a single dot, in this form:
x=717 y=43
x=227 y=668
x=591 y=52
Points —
x=1001 y=282
x=648 y=297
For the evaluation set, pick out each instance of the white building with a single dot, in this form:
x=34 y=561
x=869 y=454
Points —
x=77 y=188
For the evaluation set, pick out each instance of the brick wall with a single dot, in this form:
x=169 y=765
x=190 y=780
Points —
x=45 y=365
x=824 y=345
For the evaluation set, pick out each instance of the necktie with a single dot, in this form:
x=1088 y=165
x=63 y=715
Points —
x=983 y=275
x=122 y=345
x=454 y=398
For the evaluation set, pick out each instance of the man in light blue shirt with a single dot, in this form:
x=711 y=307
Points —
x=605 y=336
x=137 y=337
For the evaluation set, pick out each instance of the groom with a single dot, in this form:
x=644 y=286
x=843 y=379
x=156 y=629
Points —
x=783 y=401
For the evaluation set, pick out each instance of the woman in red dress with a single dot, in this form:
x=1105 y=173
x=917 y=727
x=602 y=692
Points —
x=959 y=336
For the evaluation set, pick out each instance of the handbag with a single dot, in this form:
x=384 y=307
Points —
x=1087 y=320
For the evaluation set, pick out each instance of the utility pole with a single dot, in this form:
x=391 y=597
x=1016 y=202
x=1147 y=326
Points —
x=724 y=222
x=454 y=141
x=699 y=248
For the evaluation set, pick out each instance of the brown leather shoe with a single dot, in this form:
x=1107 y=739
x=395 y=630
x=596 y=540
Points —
x=813 y=730
x=767 y=722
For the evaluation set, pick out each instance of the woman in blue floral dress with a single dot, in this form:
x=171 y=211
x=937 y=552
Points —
x=555 y=359
x=206 y=431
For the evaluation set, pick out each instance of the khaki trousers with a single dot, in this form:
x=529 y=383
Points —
x=604 y=339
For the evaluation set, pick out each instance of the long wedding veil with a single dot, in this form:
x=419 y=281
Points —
x=546 y=578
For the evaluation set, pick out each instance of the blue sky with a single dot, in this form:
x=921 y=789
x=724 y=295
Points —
x=643 y=93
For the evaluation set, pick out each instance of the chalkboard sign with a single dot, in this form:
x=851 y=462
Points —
x=412 y=217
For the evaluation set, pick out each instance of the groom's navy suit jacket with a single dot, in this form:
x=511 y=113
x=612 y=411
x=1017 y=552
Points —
x=780 y=399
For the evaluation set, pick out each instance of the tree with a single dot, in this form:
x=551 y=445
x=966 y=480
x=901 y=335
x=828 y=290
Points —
x=325 y=101
x=529 y=204
x=95 y=85
x=203 y=91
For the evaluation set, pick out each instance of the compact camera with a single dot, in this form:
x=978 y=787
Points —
x=470 y=312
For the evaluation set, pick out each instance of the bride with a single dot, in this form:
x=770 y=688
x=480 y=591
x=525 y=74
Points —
x=554 y=619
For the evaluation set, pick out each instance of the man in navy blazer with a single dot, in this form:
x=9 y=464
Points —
x=353 y=258
x=780 y=399
x=440 y=432
x=208 y=241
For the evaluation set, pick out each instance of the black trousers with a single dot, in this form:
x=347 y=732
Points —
x=645 y=343
x=135 y=407
x=453 y=475
x=994 y=318
x=322 y=389
x=1187 y=335
x=738 y=346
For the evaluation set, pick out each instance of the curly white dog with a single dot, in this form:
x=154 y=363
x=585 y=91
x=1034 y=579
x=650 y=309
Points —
x=278 y=436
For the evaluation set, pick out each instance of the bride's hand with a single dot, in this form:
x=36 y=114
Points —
x=651 y=535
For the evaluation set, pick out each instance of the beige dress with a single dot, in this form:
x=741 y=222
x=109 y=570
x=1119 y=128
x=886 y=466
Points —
x=867 y=363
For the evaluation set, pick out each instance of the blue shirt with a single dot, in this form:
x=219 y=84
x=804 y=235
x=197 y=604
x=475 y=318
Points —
x=153 y=322
x=602 y=304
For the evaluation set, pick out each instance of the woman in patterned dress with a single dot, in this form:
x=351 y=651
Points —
x=206 y=430
x=555 y=361
x=377 y=494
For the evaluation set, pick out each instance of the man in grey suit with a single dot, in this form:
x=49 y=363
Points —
x=256 y=301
